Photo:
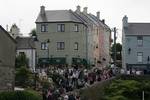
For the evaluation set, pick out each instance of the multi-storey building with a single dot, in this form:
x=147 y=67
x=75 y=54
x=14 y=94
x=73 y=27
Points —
x=70 y=37
x=136 y=45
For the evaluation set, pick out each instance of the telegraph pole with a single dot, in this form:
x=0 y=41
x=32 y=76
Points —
x=143 y=95
x=114 y=46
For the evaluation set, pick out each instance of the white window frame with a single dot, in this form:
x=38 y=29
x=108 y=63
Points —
x=44 y=46
x=44 y=28
x=139 y=57
x=76 y=46
x=140 y=40
x=60 y=45
x=76 y=28
x=60 y=27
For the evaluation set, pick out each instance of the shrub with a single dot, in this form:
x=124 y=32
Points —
x=20 y=95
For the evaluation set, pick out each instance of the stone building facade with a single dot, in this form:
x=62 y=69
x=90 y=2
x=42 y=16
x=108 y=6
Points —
x=136 y=45
x=7 y=60
x=71 y=37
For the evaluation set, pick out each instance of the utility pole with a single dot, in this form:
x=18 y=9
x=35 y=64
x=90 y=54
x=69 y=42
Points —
x=114 y=46
x=143 y=95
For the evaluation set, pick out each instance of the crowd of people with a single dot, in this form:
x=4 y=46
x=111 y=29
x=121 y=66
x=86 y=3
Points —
x=68 y=79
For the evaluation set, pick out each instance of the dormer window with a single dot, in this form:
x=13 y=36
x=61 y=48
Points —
x=139 y=40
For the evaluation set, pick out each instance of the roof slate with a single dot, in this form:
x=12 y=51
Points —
x=7 y=34
x=138 y=29
x=25 y=43
x=58 y=16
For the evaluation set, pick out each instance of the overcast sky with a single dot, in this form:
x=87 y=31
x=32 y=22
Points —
x=24 y=12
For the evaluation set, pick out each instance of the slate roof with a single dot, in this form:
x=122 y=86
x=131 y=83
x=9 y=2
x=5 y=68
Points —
x=7 y=34
x=25 y=43
x=58 y=16
x=69 y=16
x=99 y=21
x=138 y=29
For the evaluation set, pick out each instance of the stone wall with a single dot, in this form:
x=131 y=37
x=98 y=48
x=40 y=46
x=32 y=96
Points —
x=6 y=78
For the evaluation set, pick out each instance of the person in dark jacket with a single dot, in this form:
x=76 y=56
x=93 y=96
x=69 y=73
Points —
x=71 y=97
x=44 y=92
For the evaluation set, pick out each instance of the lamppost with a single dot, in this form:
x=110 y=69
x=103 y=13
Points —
x=48 y=41
x=47 y=46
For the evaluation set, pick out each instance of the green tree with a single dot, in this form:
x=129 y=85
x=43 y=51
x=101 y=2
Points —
x=118 y=53
x=127 y=90
x=21 y=60
x=118 y=50
x=33 y=32
x=23 y=76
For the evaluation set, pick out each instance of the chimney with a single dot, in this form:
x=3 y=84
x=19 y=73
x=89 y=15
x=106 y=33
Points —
x=42 y=11
x=78 y=9
x=103 y=21
x=125 y=21
x=98 y=14
x=85 y=10
x=7 y=27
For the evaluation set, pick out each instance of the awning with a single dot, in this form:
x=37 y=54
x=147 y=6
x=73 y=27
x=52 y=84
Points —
x=59 y=60
x=138 y=66
x=44 y=61
x=52 y=61
x=79 y=61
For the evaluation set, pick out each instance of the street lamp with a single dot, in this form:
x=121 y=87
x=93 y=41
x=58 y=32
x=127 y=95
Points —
x=48 y=41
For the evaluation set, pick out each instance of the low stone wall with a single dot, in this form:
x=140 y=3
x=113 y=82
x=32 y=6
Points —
x=7 y=78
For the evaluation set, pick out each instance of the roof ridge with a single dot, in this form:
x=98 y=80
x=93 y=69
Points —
x=8 y=34
x=139 y=23
x=56 y=10
x=73 y=13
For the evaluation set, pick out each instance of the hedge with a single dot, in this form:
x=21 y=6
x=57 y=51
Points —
x=20 y=95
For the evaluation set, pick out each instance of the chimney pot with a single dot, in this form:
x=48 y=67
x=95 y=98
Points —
x=125 y=21
x=98 y=15
x=85 y=10
x=78 y=9
x=103 y=21
x=42 y=12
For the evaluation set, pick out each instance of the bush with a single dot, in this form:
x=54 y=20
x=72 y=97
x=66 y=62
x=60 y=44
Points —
x=118 y=98
x=20 y=95
x=23 y=77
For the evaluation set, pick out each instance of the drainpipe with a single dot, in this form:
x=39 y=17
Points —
x=86 y=33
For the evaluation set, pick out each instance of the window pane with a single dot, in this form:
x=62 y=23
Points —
x=140 y=56
x=44 y=28
x=44 y=46
x=76 y=46
x=140 y=40
x=62 y=27
x=60 y=45
x=21 y=53
x=76 y=28
x=59 y=28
